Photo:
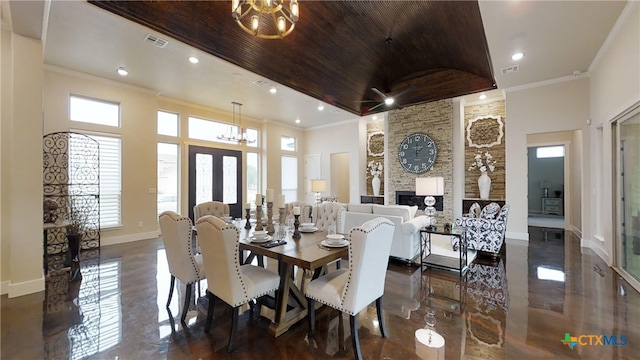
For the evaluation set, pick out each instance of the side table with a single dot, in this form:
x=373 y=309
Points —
x=429 y=259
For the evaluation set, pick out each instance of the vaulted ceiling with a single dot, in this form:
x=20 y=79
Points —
x=340 y=50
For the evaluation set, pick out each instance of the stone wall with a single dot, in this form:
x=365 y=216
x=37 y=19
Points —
x=436 y=120
x=375 y=152
x=485 y=133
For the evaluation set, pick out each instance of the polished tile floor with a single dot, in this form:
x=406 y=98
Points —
x=518 y=308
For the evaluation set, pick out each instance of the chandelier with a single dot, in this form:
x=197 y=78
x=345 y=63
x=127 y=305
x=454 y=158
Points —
x=266 y=19
x=236 y=133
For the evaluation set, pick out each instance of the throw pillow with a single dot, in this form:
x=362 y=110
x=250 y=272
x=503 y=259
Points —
x=490 y=211
x=474 y=210
x=455 y=243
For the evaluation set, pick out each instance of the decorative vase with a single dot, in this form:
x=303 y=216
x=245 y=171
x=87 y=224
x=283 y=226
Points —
x=375 y=184
x=484 y=184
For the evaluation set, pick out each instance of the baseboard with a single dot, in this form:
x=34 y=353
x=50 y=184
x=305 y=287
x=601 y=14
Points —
x=128 y=238
x=517 y=236
x=4 y=287
x=26 y=287
x=600 y=252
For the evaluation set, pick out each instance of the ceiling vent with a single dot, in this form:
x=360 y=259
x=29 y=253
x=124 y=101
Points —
x=510 y=69
x=156 y=41
x=261 y=82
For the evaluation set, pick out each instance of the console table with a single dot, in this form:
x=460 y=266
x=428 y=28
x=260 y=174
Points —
x=440 y=261
x=371 y=199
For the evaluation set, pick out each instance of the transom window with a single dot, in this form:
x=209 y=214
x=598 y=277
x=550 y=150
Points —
x=550 y=152
x=94 y=111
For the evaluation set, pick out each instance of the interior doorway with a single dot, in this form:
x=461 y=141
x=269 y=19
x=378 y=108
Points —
x=546 y=190
x=340 y=182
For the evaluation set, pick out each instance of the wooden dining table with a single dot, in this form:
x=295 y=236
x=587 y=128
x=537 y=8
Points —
x=304 y=253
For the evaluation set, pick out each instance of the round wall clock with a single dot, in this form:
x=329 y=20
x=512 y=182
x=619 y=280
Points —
x=417 y=153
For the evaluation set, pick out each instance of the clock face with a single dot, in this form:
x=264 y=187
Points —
x=417 y=153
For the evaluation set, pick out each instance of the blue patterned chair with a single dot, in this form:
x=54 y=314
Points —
x=486 y=228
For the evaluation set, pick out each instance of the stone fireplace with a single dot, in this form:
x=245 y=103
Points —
x=410 y=198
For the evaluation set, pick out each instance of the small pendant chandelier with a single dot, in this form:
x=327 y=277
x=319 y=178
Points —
x=236 y=133
x=266 y=19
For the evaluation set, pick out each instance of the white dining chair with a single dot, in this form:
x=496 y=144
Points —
x=215 y=208
x=229 y=281
x=353 y=289
x=176 y=231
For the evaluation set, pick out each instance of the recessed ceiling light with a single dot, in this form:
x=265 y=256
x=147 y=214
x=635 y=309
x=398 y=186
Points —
x=374 y=117
x=273 y=90
x=297 y=121
x=193 y=60
x=482 y=97
x=517 y=56
x=388 y=100
x=320 y=107
x=122 y=71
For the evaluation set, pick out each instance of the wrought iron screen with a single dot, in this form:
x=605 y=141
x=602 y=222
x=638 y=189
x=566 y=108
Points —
x=71 y=178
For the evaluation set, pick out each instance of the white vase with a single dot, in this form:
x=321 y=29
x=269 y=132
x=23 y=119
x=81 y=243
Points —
x=484 y=184
x=375 y=184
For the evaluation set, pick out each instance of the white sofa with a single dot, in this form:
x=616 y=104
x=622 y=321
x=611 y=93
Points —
x=406 y=236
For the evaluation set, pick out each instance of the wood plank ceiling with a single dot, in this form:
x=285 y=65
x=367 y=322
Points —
x=339 y=51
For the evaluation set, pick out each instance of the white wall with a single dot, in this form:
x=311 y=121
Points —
x=345 y=137
x=22 y=166
x=614 y=88
x=556 y=107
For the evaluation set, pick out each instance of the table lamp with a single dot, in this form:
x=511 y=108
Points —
x=545 y=185
x=318 y=186
x=430 y=187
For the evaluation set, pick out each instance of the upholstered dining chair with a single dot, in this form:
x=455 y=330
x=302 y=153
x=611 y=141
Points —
x=327 y=214
x=353 y=289
x=305 y=211
x=229 y=281
x=215 y=208
x=183 y=263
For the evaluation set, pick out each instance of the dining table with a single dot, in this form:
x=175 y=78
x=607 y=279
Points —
x=306 y=253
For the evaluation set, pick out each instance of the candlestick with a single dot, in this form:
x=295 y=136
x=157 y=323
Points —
x=247 y=225
x=296 y=223
x=270 y=228
x=281 y=219
x=269 y=195
x=258 y=218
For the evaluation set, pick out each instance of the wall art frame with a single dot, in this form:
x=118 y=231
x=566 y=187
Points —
x=485 y=131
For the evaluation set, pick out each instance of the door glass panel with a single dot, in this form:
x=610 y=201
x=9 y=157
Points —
x=229 y=179
x=204 y=178
x=630 y=158
x=167 y=177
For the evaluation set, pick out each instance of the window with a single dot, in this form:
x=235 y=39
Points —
x=167 y=123
x=252 y=134
x=110 y=176
x=290 y=178
x=550 y=152
x=209 y=130
x=252 y=175
x=167 y=177
x=94 y=111
x=287 y=143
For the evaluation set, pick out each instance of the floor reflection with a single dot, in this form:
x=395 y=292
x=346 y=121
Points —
x=518 y=307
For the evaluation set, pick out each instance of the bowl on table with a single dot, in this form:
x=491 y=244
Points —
x=307 y=226
x=335 y=239
x=260 y=234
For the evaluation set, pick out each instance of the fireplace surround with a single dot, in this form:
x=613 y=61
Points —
x=410 y=198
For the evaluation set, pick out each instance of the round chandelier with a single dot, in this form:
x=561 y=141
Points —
x=266 y=19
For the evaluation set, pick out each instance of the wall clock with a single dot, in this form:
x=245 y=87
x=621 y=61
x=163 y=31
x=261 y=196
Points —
x=417 y=153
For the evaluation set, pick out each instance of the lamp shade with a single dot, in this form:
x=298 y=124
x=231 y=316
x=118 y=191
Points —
x=430 y=186
x=318 y=185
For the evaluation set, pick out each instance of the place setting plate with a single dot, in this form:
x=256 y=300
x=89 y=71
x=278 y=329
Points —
x=267 y=238
x=342 y=243
x=308 y=229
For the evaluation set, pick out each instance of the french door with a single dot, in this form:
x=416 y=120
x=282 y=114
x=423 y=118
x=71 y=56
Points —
x=215 y=175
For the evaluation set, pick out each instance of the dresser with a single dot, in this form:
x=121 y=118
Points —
x=552 y=206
